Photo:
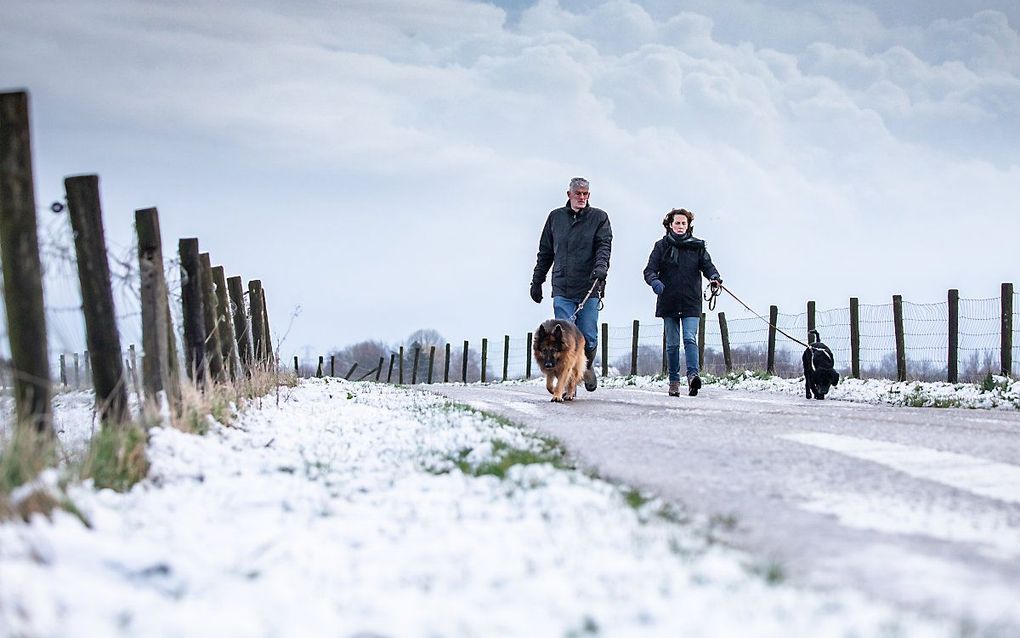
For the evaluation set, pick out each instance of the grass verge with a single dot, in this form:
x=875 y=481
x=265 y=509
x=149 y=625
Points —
x=115 y=458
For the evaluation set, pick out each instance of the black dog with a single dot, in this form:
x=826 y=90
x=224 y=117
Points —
x=819 y=374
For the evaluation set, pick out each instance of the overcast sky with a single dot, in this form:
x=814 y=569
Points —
x=387 y=165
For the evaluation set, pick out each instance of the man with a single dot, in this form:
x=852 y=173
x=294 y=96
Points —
x=576 y=242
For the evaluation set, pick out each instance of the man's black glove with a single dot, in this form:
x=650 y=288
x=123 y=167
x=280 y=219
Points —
x=715 y=284
x=536 y=292
x=599 y=274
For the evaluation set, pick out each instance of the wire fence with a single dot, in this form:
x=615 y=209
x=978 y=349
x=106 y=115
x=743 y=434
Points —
x=926 y=333
x=65 y=322
x=926 y=345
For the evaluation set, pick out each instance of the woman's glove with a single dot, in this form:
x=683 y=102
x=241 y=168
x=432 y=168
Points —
x=658 y=287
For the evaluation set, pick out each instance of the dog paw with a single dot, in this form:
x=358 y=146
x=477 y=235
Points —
x=557 y=400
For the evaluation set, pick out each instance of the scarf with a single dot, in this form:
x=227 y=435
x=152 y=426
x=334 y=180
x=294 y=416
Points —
x=676 y=243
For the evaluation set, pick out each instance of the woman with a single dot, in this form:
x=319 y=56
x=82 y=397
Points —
x=674 y=272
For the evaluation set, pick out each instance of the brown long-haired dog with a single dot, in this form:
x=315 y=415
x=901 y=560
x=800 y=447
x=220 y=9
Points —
x=559 y=352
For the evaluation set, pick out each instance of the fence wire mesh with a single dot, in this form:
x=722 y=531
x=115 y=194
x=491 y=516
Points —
x=65 y=321
x=925 y=328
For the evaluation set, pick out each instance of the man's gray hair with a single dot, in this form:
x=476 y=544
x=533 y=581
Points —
x=578 y=182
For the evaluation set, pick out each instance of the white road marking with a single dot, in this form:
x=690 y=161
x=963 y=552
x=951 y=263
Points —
x=990 y=531
x=1000 y=481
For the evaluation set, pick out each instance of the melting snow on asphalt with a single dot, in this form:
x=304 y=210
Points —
x=341 y=510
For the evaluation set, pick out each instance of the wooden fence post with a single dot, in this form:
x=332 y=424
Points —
x=953 y=368
x=63 y=371
x=159 y=364
x=414 y=368
x=242 y=327
x=87 y=362
x=464 y=363
x=103 y=335
x=228 y=343
x=266 y=334
x=605 y=349
x=485 y=357
x=506 y=355
x=332 y=365
x=378 y=371
x=22 y=268
x=351 y=371
x=389 y=374
x=634 y=347
x=133 y=368
x=194 y=314
x=297 y=370
x=432 y=358
x=527 y=356
x=901 y=349
x=400 y=377
x=724 y=335
x=770 y=365
x=446 y=366
x=810 y=317
x=1006 y=356
x=701 y=342
x=258 y=324
x=213 y=351
x=318 y=370
x=77 y=372
x=855 y=338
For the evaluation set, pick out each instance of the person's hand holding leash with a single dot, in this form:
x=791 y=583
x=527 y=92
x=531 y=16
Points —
x=715 y=284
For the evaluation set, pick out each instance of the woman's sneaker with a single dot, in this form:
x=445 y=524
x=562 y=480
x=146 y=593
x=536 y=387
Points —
x=693 y=385
x=674 y=388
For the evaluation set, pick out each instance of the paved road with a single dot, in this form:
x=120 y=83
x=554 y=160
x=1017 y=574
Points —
x=919 y=507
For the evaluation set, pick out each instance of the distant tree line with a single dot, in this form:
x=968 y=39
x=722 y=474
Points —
x=368 y=353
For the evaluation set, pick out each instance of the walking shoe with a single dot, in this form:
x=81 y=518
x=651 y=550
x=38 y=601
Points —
x=590 y=380
x=674 y=388
x=693 y=385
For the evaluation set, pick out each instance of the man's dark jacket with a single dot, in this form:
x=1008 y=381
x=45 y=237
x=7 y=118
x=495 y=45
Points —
x=574 y=244
x=682 y=295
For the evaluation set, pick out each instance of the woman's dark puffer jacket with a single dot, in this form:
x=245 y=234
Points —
x=682 y=295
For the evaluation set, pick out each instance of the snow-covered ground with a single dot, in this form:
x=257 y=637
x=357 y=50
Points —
x=1001 y=393
x=343 y=510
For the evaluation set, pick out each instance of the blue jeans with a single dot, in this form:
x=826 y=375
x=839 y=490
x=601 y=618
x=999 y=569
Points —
x=587 y=320
x=672 y=326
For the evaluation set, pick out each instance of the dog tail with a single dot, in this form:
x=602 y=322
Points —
x=813 y=336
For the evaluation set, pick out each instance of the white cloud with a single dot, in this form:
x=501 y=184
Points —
x=383 y=127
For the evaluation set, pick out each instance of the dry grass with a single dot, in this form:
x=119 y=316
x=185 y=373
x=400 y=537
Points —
x=223 y=400
x=116 y=457
x=23 y=455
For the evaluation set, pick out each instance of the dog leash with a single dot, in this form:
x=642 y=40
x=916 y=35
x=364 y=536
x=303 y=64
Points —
x=591 y=290
x=711 y=295
x=741 y=302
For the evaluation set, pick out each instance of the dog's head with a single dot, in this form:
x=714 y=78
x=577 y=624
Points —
x=548 y=346
x=823 y=380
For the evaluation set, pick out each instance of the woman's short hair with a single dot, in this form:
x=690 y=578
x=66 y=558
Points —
x=667 y=221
